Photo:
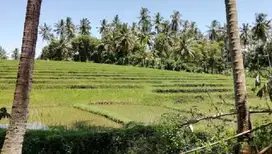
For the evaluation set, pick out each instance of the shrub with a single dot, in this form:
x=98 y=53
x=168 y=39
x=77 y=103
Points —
x=164 y=138
x=135 y=139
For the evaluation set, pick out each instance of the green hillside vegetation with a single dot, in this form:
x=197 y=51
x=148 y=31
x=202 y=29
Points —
x=67 y=93
x=157 y=85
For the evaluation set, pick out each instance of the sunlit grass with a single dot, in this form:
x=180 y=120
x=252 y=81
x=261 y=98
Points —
x=138 y=113
x=66 y=116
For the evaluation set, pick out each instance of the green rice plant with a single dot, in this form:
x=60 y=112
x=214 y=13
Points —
x=104 y=112
x=124 y=113
x=66 y=116
x=192 y=90
x=58 y=86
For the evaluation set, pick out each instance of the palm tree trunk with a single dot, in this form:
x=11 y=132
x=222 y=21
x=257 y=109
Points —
x=17 y=126
x=243 y=121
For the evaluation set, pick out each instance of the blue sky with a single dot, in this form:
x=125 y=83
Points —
x=202 y=11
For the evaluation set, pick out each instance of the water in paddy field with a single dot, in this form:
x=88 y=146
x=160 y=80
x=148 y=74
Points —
x=30 y=126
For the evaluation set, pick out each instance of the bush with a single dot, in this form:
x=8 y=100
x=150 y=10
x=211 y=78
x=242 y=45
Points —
x=160 y=139
x=136 y=139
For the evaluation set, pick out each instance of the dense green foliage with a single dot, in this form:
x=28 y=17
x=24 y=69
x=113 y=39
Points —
x=15 y=54
x=135 y=139
x=158 y=43
x=138 y=139
x=3 y=53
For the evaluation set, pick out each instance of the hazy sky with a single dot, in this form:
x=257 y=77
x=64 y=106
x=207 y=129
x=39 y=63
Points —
x=201 y=11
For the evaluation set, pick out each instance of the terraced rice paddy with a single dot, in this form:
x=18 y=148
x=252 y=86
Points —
x=67 y=93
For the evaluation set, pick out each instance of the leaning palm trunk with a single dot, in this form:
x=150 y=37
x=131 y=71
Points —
x=17 y=125
x=243 y=121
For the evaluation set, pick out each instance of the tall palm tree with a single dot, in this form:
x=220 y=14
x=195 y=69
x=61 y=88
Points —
x=15 y=54
x=245 y=34
x=166 y=27
x=261 y=27
x=85 y=26
x=145 y=20
x=134 y=26
x=104 y=26
x=176 y=21
x=124 y=41
x=157 y=22
x=116 y=22
x=69 y=28
x=60 y=29
x=213 y=30
x=17 y=125
x=261 y=31
x=194 y=31
x=3 y=53
x=186 y=25
x=184 y=47
x=241 y=101
x=146 y=39
x=163 y=44
x=46 y=32
x=107 y=48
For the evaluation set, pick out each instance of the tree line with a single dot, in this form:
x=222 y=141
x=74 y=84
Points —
x=15 y=54
x=120 y=50
x=154 y=42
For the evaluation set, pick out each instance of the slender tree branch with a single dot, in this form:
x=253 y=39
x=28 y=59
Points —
x=269 y=111
x=219 y=115
x=266 y=149
x=227 y=139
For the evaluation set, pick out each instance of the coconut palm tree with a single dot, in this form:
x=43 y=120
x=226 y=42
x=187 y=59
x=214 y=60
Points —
x=104 y=26
x=163 y=45
x=166 y=27
x=46 y=32
x=15 y=54
x=60 y=29
x=194 y=31
x=3 y=53
x=146 y=39
x=145 y=20
x=245 y=34
x=241 y=101
x=261 y=32
x=186 y=25
x=157 y=22
x=70 y=28
x=134 y=27
x=116 y=22
x=214 y=29
x=124 y=41
x=85 y=27
x=17 y=125
x=176 y=21
x=184 y=48
x=261 y=27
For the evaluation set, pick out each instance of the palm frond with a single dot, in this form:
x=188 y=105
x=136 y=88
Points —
x=4 y=113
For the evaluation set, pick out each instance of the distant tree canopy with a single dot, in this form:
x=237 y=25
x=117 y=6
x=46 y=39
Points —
x=15 y=54
x=3 y=53
x=174 y=44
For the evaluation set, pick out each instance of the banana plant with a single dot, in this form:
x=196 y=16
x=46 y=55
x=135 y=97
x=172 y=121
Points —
x=265 y=90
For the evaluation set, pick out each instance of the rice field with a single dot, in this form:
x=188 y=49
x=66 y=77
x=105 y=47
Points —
x=66 y=93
